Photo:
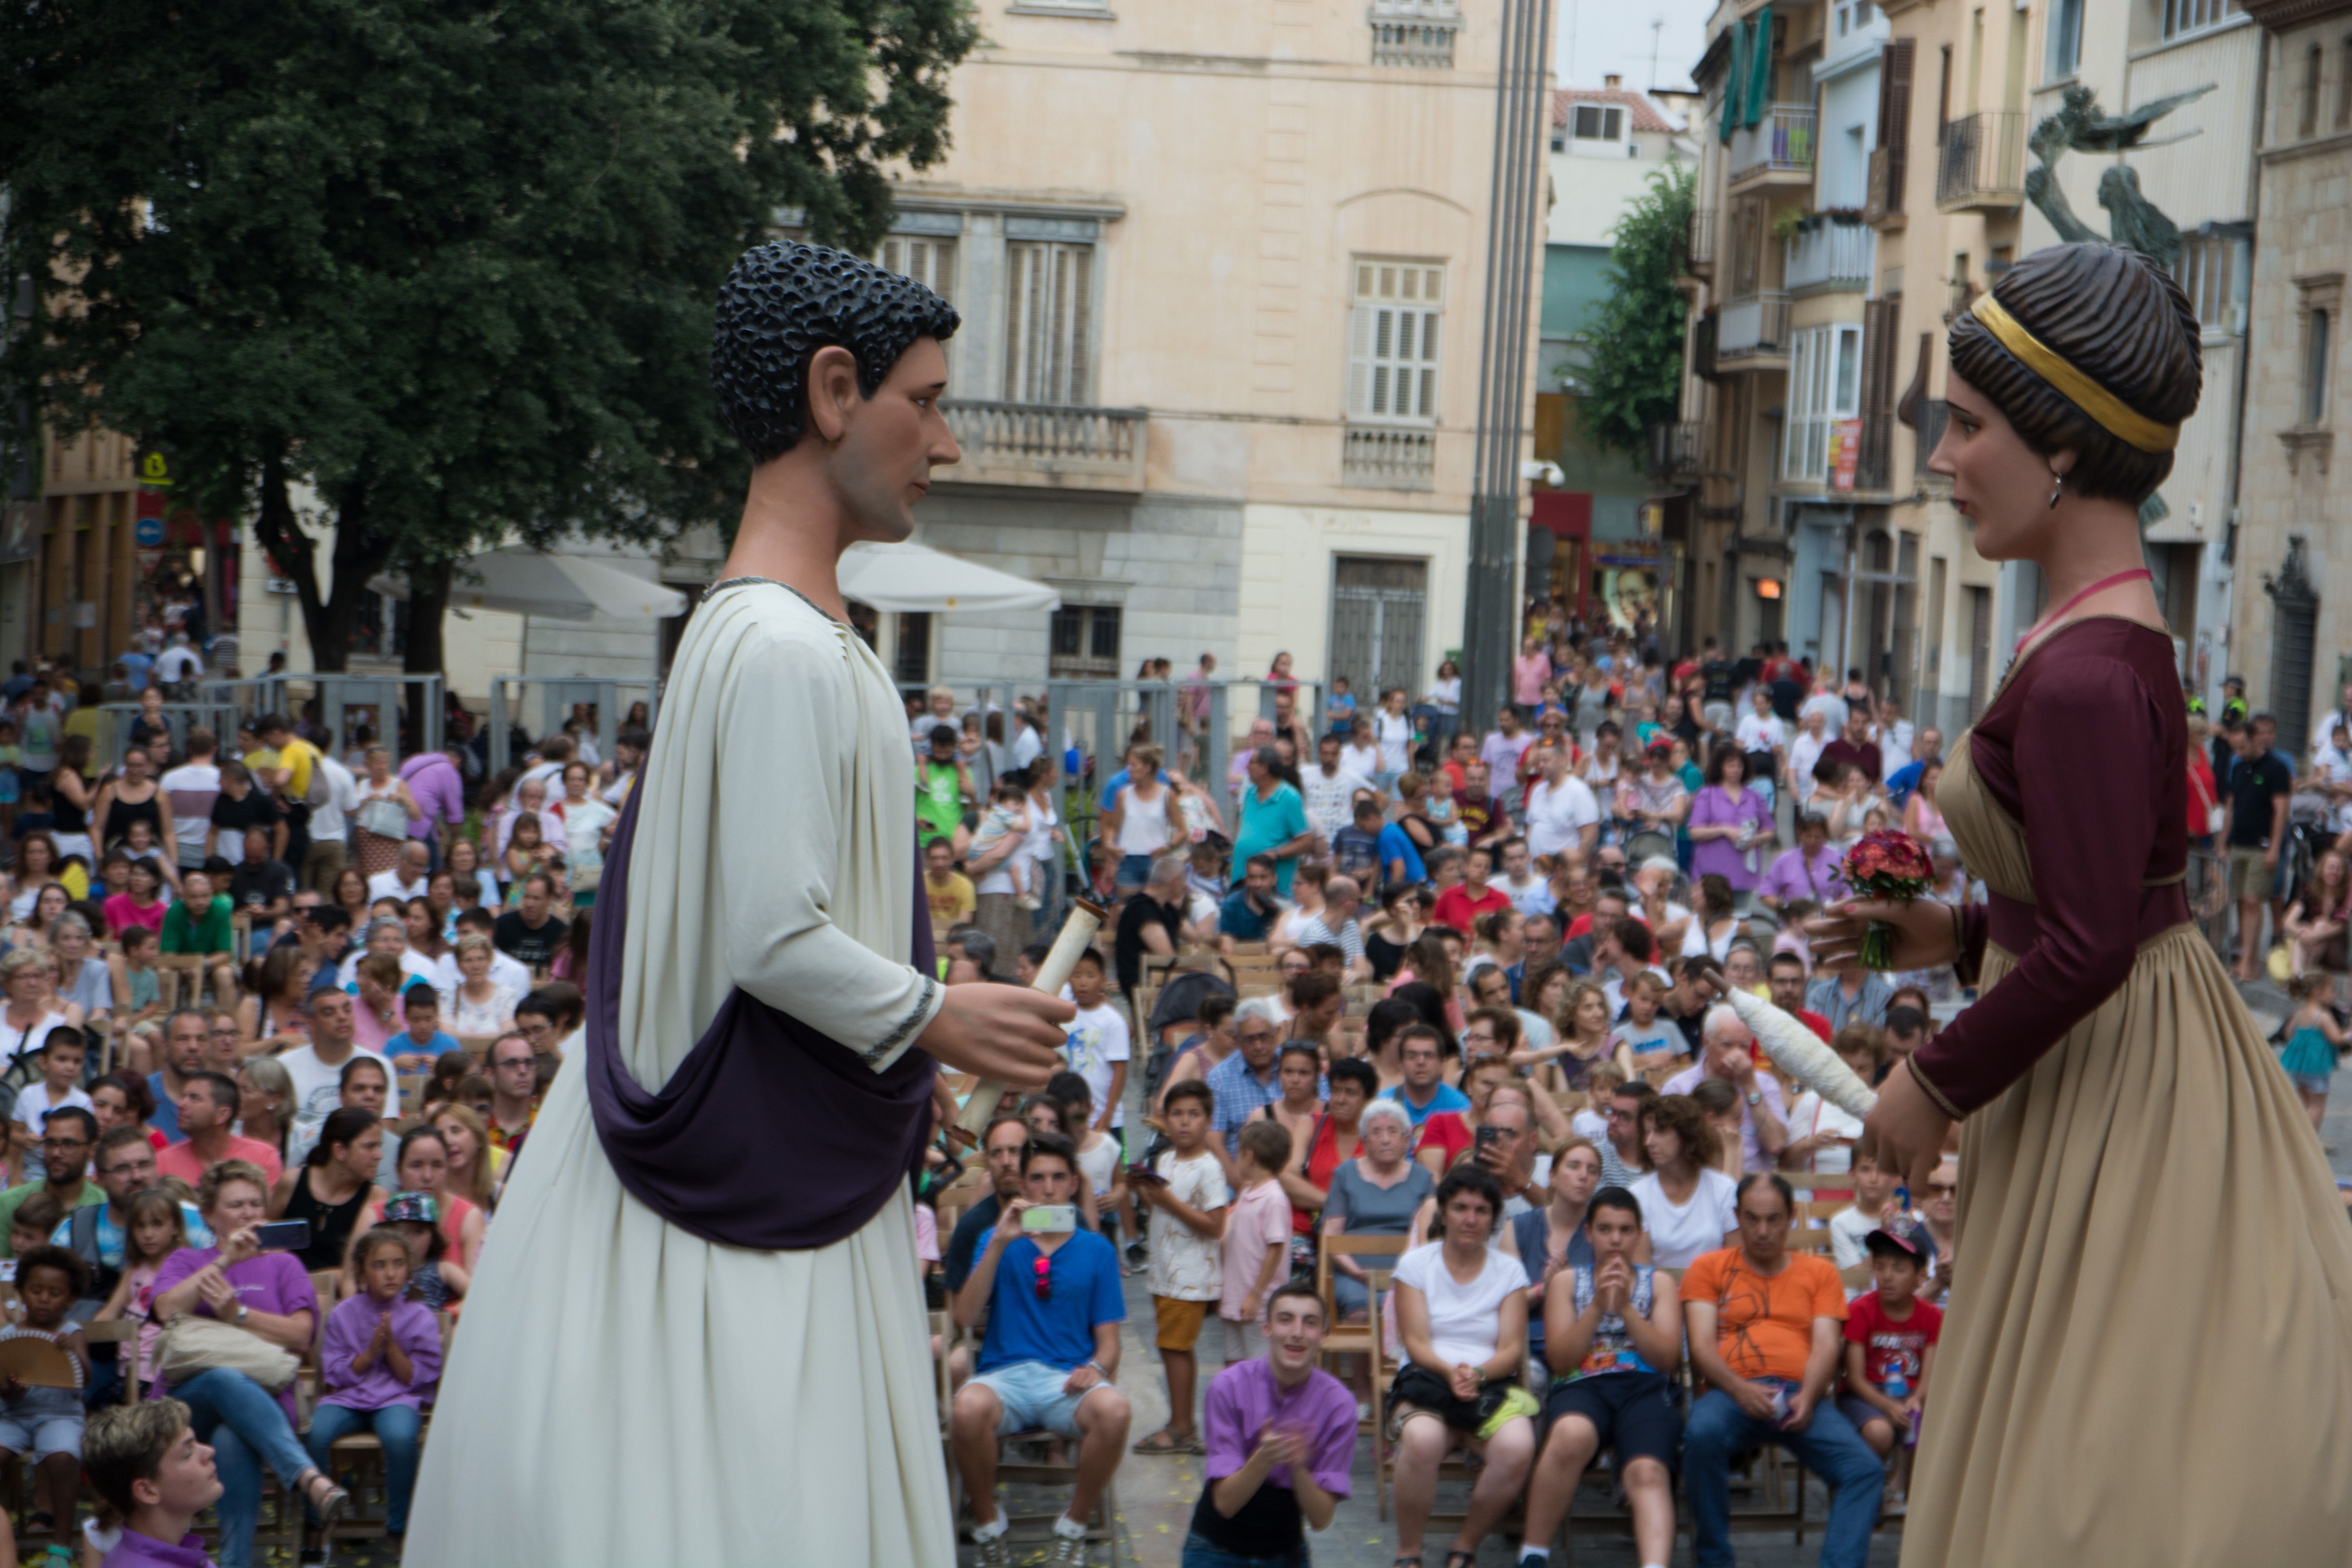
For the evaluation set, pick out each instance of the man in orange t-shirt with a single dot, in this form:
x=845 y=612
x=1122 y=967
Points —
x=1765 y=1326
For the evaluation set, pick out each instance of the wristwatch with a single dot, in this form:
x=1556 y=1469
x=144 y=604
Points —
x=242 y=1311
x=1755 y=1097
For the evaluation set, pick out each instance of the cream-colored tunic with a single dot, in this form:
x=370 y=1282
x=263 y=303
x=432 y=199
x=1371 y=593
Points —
x=625 y=1392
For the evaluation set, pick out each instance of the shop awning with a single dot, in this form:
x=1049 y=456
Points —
x=560 y=587
x=911 y=577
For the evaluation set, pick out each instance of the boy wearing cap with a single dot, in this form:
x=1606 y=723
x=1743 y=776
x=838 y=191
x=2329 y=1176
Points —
x=1890 y=1344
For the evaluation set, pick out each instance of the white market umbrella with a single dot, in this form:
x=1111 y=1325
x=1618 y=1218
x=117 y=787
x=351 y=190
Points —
x=561 y=587
x=910 y=577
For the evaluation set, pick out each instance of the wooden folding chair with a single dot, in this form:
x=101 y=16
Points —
x=1377 y=1255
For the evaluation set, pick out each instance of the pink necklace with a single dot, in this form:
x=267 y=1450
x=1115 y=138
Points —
x=2048 y=621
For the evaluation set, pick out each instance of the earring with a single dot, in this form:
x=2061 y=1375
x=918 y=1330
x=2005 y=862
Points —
x=2057 y=487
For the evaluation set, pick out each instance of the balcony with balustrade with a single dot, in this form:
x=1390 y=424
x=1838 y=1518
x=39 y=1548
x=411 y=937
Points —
x=1699 y=242
x=1046 y=446
x=1677 y=452
x=1831 y=256
x=1752 y=332
x=1389 y=457
x=1778 y=150
x=1415 y=33
x=1980 y=162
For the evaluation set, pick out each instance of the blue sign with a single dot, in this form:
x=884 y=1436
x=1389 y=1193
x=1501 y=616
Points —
x=148 y=533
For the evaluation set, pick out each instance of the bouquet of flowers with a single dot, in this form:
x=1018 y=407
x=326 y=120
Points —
x=1886 y=865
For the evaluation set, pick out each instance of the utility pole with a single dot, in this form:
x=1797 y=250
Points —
x=1514 y=228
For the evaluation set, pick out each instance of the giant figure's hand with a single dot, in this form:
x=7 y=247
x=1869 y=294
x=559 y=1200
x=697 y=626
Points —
x=1004 y=1032
x=1926 y=934
x=1904 y=1131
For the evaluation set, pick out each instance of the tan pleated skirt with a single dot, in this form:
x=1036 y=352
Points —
x=2148 y=1355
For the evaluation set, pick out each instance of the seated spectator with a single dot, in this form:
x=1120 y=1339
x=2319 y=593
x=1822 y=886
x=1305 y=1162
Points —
x=1850 y=1227
x=1249 y=911
x=1335 y=925
x=144 y=1461
x=1719 y=1103
x=1187 y=1194
x=1461 y=1315
x=1461 y=905
x=1375 y=1193
x=551 y=1016
x=1001 y=1146
x=1728 y=1053
x=123 y=1100
x=1623 y=1156
x=529 y=933
x=1335 y=1138
x=514 y=1088
x=1423 y=1093
x=417 y=1047
x=1280 y=1436
x=268 y=1294
x=1764 y=1326
x=139 y=906
x=155 y=1224
x=480 y=1005
x=208 y=1115
x=66 y=1149
x=386 y=933
x=1054 y=1306
x=375 y=1017
x=317 y=1069
x=196 y=927
x=260 y=887
x=1547 y=1239
x=138 y=988
x=1890 y=1346
x=61 y=1059
x=1249 y=1079
x=43 y=1425
x=1254 y=1248
x=1822 y=1137
x=1688 y=1206
x=334 y=1184
x=379 y=1363
x=1615 y=1327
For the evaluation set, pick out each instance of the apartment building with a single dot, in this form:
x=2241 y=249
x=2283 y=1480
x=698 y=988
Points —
x=1593 y=546
x=2294 y=573
x=1221 y=268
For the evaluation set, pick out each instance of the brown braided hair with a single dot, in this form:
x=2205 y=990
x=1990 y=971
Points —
x=2119 y=319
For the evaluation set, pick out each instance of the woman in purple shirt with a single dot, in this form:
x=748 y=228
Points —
x=1727 y=820
x=268 y=1295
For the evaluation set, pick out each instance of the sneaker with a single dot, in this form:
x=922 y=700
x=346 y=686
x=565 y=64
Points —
x=996 y=1552
x=1029 y=901
x=1138 y=1254
x=1067 y=1548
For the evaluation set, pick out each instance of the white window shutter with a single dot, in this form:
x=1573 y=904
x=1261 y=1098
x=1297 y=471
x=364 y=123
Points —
x=1360 y=361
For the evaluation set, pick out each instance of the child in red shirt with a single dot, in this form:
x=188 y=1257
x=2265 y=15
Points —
x=1890 y=1345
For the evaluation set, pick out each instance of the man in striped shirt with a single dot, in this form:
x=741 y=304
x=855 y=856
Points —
x=192 y=787
x=1336 y=927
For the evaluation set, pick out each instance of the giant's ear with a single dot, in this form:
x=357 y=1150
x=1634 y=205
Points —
x=833 y=391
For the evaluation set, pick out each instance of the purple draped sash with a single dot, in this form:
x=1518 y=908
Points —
x=769 y=1135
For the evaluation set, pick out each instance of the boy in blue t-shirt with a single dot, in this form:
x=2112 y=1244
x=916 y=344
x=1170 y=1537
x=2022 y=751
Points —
x=1051 y=1294
x=414 y=1049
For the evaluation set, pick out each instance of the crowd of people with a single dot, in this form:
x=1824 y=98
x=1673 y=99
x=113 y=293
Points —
x=278 y=1016
x=1495 y=1039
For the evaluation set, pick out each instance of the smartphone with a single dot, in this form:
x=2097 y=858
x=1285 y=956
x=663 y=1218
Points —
x=282 y=1235
x=1145 y=1174
x=1490 y=1135
x=1050 y=1219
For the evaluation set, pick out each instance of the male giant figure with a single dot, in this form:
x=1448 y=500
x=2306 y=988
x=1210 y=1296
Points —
x=697 y=1336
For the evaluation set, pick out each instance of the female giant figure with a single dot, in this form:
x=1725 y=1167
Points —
x=2148 y=1356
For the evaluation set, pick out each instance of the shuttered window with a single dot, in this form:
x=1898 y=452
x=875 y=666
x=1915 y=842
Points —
x=1048 y=322
x=1392 y=341
x=930 y=262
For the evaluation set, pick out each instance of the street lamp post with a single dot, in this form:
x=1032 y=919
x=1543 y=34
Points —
x=1490 y=618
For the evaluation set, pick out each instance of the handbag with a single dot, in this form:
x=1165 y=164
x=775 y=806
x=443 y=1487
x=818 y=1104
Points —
x=383 y=816
x=191 y=1344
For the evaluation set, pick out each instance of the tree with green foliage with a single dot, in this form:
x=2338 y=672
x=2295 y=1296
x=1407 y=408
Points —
x=445 y=273
x=1631 y=378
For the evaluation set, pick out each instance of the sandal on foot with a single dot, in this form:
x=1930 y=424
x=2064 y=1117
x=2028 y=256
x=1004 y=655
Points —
x=1461 y=1560
x=41 y=1524
x=1164 y=1442
x=330 y=1504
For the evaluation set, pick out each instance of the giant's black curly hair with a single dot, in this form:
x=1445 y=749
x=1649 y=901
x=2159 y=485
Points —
x=785 y=300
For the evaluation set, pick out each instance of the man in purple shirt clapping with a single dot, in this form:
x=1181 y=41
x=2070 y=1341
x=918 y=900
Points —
x=1281 y=1434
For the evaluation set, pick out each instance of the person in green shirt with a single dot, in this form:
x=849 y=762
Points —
x=72 y=1133
x=942 y=786
x=1273 y=821
x=201 y=936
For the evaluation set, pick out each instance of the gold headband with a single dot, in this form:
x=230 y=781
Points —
x=2132 y=429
